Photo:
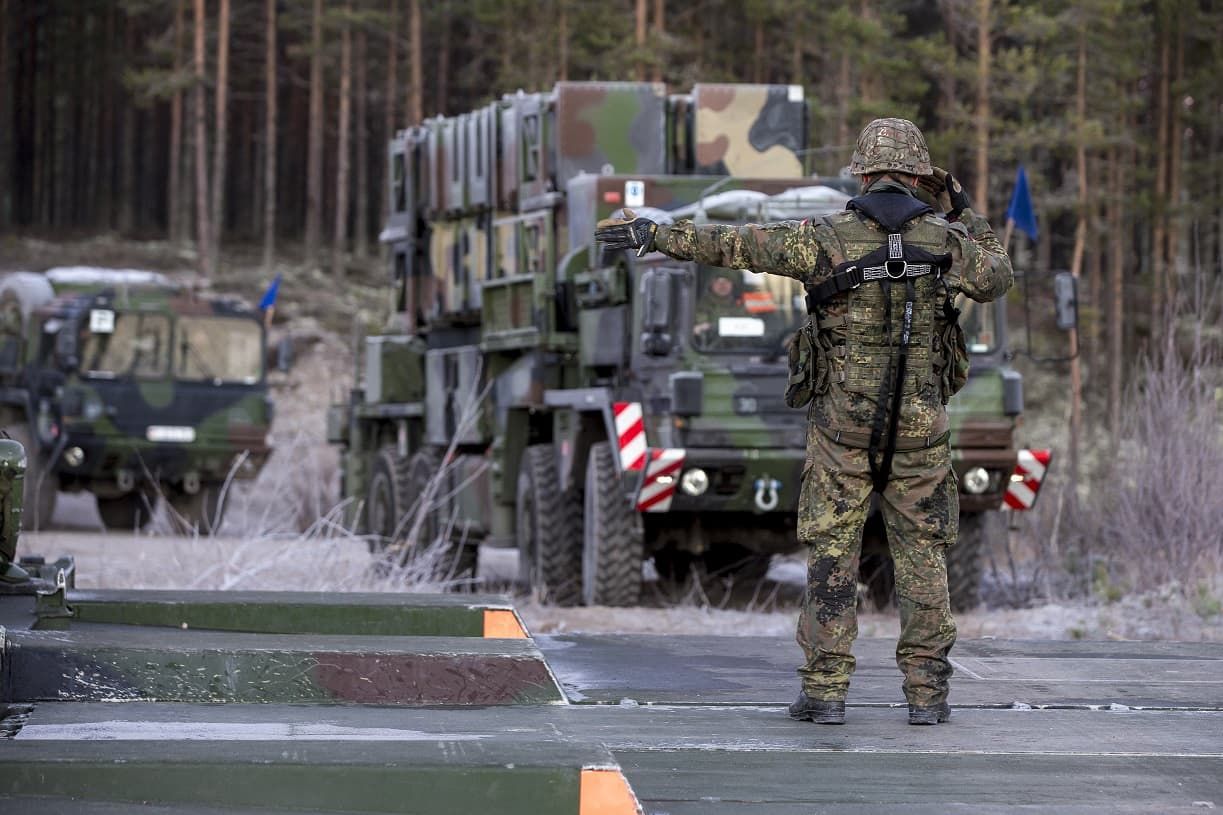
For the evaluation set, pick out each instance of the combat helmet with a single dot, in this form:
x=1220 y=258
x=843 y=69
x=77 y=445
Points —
x=891 y=144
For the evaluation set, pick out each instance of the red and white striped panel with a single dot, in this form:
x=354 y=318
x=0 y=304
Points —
x=661 y=477
x=1030 y=469
x=630 y=429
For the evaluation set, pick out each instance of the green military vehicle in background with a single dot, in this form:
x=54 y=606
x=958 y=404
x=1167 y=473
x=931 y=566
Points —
x=596 y=410
x=128 y=386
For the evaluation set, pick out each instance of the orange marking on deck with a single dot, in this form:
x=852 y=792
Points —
x=502 y=624
x=606 y=792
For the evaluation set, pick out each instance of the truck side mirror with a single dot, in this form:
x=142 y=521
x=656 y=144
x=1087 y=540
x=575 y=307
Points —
x=284 y=354
x=1066 y=300
x=657 y=312
x=67 y=346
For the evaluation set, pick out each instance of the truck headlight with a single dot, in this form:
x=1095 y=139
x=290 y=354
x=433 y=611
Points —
x=694 y=482
x=976 y=480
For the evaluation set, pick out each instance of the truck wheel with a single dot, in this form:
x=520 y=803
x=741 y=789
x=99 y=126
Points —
x=41 y=484
x=978 y=531
x=127 y=512
x=611 y=538
x=546 y=530
x=457 y=560
x=202 y=512
x=387 y=499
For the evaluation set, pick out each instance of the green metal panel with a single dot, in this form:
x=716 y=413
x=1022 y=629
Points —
x=433 y=776
x=444 y=615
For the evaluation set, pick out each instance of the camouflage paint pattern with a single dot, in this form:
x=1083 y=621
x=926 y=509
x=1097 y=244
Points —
x=921 y=510
x=749 y=130
x=891 y=144
x=621 y=125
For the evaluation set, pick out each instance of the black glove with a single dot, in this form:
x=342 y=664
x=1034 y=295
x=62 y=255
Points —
x=947 y=191
x=627 y=232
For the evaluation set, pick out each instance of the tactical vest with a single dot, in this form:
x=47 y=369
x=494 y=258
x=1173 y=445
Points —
x=868 y=352
x=889 y=342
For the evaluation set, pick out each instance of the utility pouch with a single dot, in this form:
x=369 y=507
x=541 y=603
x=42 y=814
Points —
x=955 y=372
x=800 y=389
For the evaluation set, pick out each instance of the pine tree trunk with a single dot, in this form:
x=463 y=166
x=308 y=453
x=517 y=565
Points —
x=361 y=134
x=314 y=141
x=843 y=90
x=1076 y=263
x=1175 y=172
x=270 y=85
x=562 y=37
x=640 y=39
x=127 y=145
x=6 y=116
x=1116 y=327
x=339 y=248
x=1159 y=210
x=981 y=192
x=174 y=195
x=441 y=103
x=392 y=93
x=222 y=134
x=660 y=28
x=203 y=231
x=416 y=82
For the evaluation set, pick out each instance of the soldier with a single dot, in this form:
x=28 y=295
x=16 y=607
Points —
x=882 y=355
x=13 y=578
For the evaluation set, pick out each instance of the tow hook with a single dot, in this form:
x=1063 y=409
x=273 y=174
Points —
x=766 y=493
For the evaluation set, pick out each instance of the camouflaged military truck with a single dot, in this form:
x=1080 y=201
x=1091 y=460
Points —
x=596 y=410
x=125 y=385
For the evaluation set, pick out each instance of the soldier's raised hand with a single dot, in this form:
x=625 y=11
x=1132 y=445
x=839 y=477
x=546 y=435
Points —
x=950 y=194
x=625 y=230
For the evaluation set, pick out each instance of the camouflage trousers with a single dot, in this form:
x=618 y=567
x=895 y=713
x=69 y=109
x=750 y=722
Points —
x=921 y=511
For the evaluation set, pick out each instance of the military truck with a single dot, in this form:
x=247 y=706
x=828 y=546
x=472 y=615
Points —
x=595 y=409
x=128 y=386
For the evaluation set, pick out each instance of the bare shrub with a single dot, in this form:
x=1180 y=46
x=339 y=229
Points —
x=1153 y=517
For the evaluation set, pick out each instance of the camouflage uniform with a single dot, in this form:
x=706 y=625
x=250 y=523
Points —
x=920 y=504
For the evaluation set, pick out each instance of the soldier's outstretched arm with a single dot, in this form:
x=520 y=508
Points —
x=785 y=248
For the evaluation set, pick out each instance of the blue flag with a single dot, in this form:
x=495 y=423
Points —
x=1020 y=211
x=269 y=296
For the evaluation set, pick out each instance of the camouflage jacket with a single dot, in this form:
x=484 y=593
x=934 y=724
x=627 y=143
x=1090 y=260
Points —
x=808 y=251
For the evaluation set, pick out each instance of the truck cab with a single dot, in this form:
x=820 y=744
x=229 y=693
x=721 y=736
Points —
x=129 y=387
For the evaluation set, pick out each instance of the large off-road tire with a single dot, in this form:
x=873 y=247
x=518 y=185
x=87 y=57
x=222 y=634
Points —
x=201 y=511
x=127 y=512
x=547 y=530
x=41 y=485
x=611 y=536
x=978 y=532
x=387 y=499
x=457 y=559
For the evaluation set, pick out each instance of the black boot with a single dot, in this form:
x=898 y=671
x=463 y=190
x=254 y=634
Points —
x=819 y=711
x=933 y=714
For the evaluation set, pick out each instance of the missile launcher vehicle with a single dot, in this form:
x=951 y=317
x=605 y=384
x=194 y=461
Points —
x=596 y=410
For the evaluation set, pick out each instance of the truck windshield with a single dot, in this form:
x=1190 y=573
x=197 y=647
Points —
x=978 y=322
x=742 y=312
x=127 y=344
x=227 y=349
